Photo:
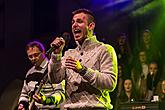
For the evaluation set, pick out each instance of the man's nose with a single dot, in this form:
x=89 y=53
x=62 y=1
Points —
x=33 y=58
x=75 y=24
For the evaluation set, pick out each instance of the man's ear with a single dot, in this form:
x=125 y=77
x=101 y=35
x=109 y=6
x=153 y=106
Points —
x=91 y=26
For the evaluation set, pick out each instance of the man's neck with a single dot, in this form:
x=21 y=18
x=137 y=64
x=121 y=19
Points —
x=39 y=65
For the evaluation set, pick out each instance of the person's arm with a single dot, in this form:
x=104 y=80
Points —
x=54 y=99
x=56 y=72
x=24 y=98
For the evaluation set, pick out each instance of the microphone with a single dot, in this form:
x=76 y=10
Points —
x=152 y=80
x=66 y=37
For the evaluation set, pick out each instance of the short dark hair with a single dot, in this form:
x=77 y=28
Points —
x=85 y=11
x=153 y=62
x=37 y=44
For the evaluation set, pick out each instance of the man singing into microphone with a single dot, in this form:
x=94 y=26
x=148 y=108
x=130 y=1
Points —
x=90 y=70
x=50 y=95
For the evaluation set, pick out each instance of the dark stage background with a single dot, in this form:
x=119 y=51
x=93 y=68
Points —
x=24 y=20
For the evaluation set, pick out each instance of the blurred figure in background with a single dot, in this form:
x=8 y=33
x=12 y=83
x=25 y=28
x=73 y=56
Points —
x=139 y=74
x=128 y=94
x=151 y=48
x=123 y=51
x=161 y=94
x=162 y=91
x=153 y=78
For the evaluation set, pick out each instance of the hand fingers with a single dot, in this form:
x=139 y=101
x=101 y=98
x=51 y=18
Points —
x=21 y=107
x=36 y=97
x=70 y=64
x=71 y=60
x=58 y=42
x=73 y=64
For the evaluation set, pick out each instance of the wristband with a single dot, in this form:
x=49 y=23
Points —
x=83 y=70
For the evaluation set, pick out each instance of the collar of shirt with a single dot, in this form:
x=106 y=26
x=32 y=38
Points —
x=86 y=42
x=44 y=63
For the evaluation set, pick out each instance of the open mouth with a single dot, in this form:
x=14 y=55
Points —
x=77 y=31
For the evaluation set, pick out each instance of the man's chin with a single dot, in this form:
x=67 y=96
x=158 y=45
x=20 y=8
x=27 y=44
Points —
x=77 y=39
x=34 y=63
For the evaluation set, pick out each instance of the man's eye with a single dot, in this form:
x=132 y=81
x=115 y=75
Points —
x=79 y=21
x=30 y=56
x=34 y=55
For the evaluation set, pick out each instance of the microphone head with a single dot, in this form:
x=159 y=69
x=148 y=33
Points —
x=66 y=37
x=151 y=72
